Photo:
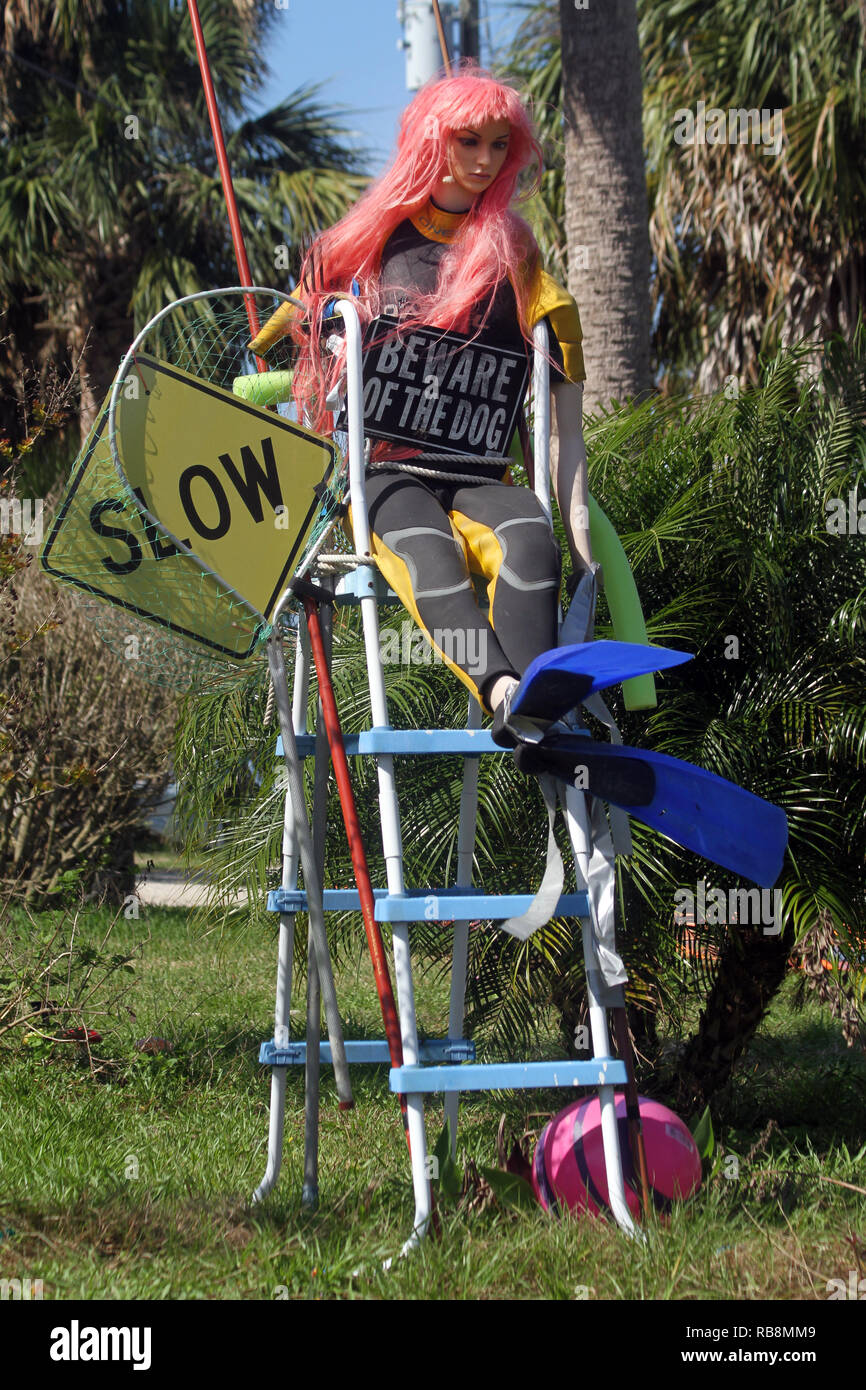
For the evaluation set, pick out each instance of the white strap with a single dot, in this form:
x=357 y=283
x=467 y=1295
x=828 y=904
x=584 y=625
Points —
x=595 y=865
x=543 y=905
x=619 y=824
x=598 y=865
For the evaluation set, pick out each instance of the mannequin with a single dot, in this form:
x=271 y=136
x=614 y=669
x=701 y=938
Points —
x=435 y=242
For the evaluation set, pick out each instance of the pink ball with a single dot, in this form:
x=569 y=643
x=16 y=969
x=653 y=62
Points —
x=568 y=1169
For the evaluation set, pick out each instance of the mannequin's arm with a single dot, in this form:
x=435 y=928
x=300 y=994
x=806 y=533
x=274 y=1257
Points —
x=570 y=476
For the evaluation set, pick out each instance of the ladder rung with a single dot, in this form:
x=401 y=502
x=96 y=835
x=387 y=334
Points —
x=507 y=1076
x=470 y=743
x=305 y=744
x=367 y=1052
x=465 y=904
x=428 y=905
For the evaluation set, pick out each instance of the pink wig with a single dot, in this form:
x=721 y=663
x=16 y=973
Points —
x=493 y=242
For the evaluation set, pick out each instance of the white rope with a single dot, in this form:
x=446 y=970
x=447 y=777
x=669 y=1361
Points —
x=407 y=467
x=490 y=459
x=269 y=704
x=341 y=559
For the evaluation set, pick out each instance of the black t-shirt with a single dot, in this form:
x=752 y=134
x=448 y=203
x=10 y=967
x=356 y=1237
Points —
x=410 y=261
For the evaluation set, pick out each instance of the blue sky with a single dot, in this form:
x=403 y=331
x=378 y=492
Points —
x=351 y=46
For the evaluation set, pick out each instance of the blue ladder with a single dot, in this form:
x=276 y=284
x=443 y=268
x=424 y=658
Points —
x=447 y=1066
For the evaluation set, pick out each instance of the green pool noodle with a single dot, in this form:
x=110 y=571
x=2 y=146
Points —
x=623 y=602
x=264 y=388
x=620 y=590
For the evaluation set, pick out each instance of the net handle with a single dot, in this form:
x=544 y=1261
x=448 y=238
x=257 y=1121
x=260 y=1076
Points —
x=130 y=497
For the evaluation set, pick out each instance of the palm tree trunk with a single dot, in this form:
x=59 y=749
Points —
x=102 y=328
x=606 y=207
x=751 y=970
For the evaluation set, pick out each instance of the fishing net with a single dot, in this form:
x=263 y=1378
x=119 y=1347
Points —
x=196 y=497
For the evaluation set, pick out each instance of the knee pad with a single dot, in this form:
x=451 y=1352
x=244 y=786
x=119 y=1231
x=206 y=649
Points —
x=530 y=555
x=436 y=561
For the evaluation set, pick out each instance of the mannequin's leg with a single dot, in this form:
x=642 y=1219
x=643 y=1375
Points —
x=509 y=541
x=424 y=560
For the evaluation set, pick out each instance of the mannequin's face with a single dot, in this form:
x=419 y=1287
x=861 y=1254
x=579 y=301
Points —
x=476 y=154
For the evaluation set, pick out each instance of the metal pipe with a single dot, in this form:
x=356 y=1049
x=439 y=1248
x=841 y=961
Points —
x=578 y=829
x=285 y=950
x=465 y=873
x=389 y=814
x=312 y=1056
x=443 y=42
x=541 y=410
x=312 y=882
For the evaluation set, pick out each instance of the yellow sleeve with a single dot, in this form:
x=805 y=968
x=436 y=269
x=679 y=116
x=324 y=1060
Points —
x=547 y=299
x=276 y=327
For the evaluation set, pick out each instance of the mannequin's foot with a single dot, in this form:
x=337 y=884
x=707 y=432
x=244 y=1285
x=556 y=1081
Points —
x=511 y=730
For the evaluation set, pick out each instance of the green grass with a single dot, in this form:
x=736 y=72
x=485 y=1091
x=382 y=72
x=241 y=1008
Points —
x=135 y=1182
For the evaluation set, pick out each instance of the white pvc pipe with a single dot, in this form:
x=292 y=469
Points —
x=388 y=806
x=465 y=874
x=578 y=829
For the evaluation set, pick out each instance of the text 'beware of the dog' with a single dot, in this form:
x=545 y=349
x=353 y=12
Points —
x=441 y=391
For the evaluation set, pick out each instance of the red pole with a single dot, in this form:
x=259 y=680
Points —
x=225 y=173
x=443 y=42
x=356 y=844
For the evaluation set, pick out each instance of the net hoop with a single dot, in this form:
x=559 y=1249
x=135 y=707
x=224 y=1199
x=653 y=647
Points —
x=126 y=361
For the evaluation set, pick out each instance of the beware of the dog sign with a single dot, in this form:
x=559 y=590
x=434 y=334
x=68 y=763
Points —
x=441 y=391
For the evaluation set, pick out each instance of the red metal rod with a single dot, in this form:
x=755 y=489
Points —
x=360 y=867
x=443 y=42
x=356 y=843
x=225 y=173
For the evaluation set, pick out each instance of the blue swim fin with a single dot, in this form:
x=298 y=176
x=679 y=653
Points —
x=693 y=807
x=557 y=680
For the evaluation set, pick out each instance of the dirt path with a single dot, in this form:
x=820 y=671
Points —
x=170 y=889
